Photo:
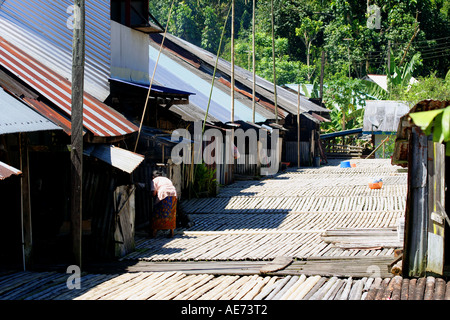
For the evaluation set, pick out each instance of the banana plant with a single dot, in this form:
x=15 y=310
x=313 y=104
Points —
x=398 y=78
x=436 y=122
x=315 y=91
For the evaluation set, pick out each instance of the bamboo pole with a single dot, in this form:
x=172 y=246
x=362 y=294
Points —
x=151 y=80
x=382 y=143
x=274 y=69
x=254 y=61
x=214 y=73
x=232 y=61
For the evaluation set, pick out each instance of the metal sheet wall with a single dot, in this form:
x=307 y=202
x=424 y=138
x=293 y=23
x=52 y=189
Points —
x=291 y=152
x=40 y=28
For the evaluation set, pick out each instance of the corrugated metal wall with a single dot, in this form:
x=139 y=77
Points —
x=40 y=28
x=291 y=152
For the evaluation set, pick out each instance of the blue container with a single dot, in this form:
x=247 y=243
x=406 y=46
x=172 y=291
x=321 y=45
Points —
x=345 y=164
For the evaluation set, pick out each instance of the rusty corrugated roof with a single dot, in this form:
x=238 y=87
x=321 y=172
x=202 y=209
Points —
x=99 y=119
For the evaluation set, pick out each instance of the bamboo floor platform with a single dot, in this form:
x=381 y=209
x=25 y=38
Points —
x=286 y=215
x=345 y=266
x=315 y=215
x=180 y=286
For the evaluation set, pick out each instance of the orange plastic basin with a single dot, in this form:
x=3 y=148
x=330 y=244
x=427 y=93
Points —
x=376 y=185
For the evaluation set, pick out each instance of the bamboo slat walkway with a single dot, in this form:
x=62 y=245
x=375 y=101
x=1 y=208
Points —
x=286 y=214
x=180 y=286
x=311 y=215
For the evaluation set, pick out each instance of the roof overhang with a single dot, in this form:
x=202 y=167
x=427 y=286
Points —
x=341 y=133
x=6 y=171
x=16 y=116
x=173 y=96
x=100 y=120
x=119 y=158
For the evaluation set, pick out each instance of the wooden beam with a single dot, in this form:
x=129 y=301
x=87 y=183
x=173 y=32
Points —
x=415 y=247
x=279 y=263
x=78 y=60
x=27 y=239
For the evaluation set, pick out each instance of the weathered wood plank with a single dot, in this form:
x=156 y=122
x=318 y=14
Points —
x=277 y=264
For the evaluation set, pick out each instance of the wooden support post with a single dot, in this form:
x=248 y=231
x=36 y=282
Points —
x=322 y=71
x=77 y=128
x=27 y=239
x=416 y=231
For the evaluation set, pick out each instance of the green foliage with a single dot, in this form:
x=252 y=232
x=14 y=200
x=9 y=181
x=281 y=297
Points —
x=304 y=28
x=211 y=31
x=399 y=77
x=205 y=183
x=436 y=122
x=288 y=70
x=307 y=32
x=314 y=92
x=389 y=147
x=430 y=87
x=398 y=80
x=345 y=98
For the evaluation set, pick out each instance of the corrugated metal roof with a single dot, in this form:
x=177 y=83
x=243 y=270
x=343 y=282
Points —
x=285 y=99
x=117 y=157
x=172 y=73
x=7 y=171
x=155 y=88
x=99 y=119
x=383 y=115
x=340 y=133
x=57 y=118
x=17 y=117
x=39 y=27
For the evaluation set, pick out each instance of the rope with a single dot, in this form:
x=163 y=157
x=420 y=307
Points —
x=215 y=69
x=153 y=76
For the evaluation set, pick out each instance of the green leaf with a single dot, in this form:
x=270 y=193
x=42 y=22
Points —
x=437 y=131
x=424 y=119
x=446 y=124
x=305 y=90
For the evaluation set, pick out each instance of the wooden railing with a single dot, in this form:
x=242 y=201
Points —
x=341 y=150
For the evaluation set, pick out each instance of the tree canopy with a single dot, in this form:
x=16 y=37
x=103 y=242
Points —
x=304 y=28
x=397 y=38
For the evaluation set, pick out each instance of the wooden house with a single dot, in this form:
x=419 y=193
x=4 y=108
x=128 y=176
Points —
x=191 y=68
x=426 y=241
x=19 y=126
x=35 y=67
